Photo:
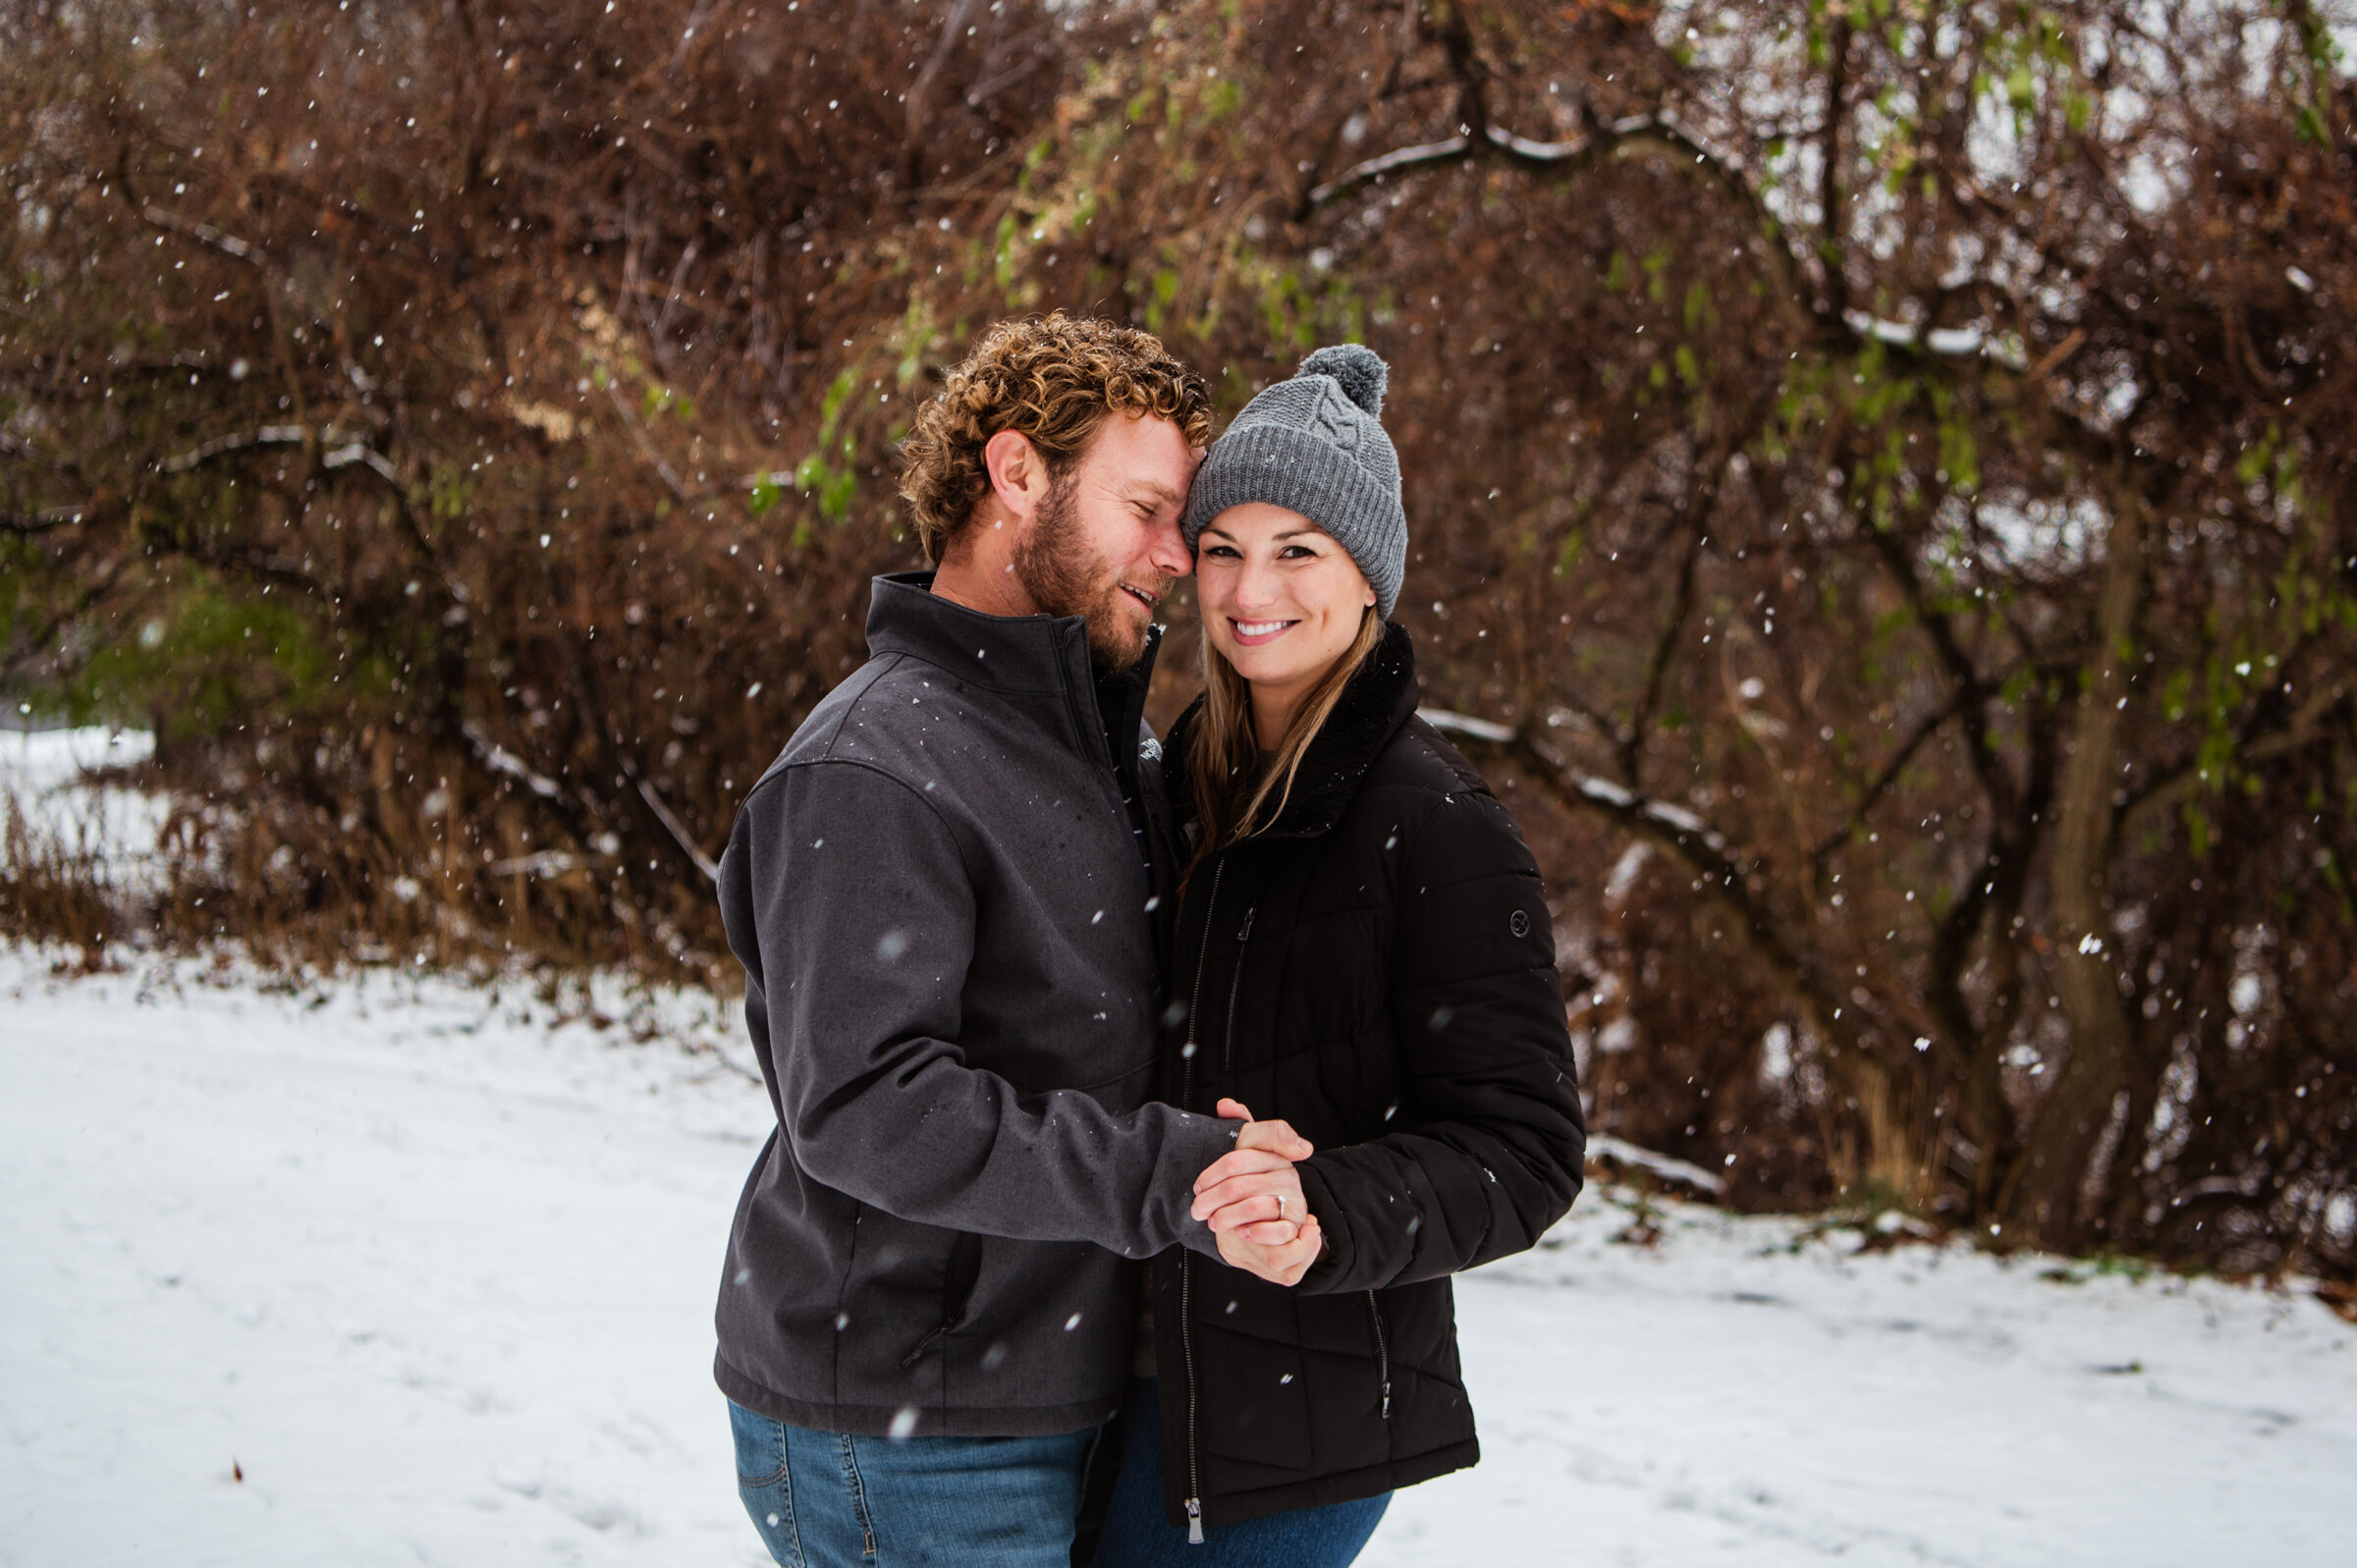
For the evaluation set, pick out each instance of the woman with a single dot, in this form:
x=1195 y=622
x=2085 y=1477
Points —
x=1363 y=950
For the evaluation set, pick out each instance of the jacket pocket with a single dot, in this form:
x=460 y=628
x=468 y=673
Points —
x=958 y=1273
x=1256 y=1405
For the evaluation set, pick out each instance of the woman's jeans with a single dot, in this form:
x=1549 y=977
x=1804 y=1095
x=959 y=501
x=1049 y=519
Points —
x=829 y=1499
x=1138 y=1536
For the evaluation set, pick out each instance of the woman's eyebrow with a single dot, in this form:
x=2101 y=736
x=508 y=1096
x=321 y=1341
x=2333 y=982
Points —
x=1210 y=530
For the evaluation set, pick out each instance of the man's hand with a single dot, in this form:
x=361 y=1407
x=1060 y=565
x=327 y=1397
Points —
x=1275 y=1136
x=1252 y=1198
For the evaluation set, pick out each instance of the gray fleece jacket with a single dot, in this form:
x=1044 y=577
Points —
x=951 y=983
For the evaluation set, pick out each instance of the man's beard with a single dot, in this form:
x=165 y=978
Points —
x=1065 y=578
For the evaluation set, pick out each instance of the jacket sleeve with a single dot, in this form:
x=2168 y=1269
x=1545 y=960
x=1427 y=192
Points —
x=1490 y=1146
x=862 y=910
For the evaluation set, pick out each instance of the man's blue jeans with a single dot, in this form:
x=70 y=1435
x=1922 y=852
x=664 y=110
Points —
x=829 y=1499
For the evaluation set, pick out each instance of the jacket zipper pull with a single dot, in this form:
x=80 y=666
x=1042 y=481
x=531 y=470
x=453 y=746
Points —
x=922 y=1345
x=1245 y=933
x=1387 y=1399
x=1194 y=1521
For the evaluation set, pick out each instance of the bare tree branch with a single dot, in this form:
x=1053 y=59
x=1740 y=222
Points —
x=368 y=457
x=1832 y=202
x=1886 y=777
x=678 y=829
x=350 y=451
x=1042 y=50
x=1725 y=876
x=25 y=524
x=919 y=114
x=204 y=233
x=2165 y=791
x=1972 y=688
x=1656 y=134
x=1665 y=641
x=237 y=441
x=500 y=760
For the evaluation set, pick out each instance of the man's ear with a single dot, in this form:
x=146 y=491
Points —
x=1018 y=474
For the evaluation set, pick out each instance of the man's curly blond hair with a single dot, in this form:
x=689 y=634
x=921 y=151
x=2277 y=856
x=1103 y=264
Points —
x=1052 y=379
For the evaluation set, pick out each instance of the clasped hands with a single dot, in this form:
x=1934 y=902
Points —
x=1251 y=1199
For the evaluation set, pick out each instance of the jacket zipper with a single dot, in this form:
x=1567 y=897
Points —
x=1187 y=1328
x=1110 y=779
x=1236 y=983
x=1382 y=1353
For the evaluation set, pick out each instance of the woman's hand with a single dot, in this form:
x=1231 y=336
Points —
x=1283 y=1265
x=1252 y=1198
x=1253 y=1188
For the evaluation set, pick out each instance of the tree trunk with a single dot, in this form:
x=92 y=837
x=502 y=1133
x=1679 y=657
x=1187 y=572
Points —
x=2010 y=845
x=2040 y=1203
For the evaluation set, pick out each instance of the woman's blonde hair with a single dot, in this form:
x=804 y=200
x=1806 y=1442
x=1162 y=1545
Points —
x=1234 y=797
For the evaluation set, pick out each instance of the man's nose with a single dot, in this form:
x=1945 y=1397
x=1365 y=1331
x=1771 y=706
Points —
x=1166 y=546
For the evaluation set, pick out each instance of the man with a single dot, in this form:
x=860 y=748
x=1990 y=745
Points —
x=942 y=893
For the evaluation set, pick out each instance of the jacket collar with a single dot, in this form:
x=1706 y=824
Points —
x=1379 y=699
x=1011 y=653
x=1002 y=652
x=1027 y=654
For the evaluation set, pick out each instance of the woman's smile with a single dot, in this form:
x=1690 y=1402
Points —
x=1254 y=634
x=1281 y=602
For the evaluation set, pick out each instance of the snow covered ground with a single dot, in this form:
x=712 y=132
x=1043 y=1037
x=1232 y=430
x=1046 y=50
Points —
x=43 y=772
x=431 y=1271
x=40 y=760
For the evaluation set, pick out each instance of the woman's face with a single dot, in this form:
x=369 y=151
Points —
x=1280 y=600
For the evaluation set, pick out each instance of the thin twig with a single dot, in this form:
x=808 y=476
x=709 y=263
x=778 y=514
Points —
x=679 y=829
x=205 y=233
x=1888 y=775
x=500 y=760
x=25 y=524
x=2306 y=726
x=1722 y=870
x=236 y=440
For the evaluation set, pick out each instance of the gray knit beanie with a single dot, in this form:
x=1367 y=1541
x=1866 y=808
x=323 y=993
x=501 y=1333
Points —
x=1312 y=445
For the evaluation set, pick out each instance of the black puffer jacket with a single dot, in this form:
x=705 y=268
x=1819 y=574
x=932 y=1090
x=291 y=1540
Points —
x=1379 y=970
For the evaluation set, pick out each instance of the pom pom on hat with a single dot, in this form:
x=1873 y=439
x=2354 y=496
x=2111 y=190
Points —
x=1357 y=368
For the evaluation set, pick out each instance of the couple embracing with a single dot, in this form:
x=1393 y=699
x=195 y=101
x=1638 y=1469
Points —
x=1135 y=1102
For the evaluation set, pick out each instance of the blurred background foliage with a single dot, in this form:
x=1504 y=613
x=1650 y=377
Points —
x=1881 y=481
